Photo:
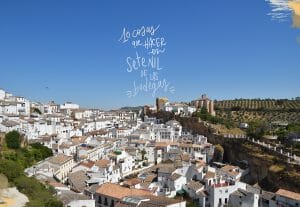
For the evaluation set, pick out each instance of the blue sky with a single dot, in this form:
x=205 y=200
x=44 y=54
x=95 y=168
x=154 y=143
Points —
x=69 y=50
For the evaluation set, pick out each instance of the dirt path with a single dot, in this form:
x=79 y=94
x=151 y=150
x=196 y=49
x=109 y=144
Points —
x=12 y=198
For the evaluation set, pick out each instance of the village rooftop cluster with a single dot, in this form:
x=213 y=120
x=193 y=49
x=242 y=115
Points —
x=117 y=159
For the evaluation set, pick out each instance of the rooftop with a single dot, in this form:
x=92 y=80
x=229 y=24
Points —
x=288 y=194
x=60 y=159
x=119 y=192
x=195 y=186
x=102 y=163
x=230 y=170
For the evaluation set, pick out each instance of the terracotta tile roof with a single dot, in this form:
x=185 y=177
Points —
x=185 y=157
x=79 y=138
x=65 y=145
x=56 y=184
x=195 y=186
x=288 y=194
x=166 y=169
x=9 y=123
x=132 y=182
x=98 y=132
x=220 y=185
x=230 y=170
x=147 y=201
x=77 y=180
x=158 y=201
x=119 y=192
x=123 y=205
x=67 y=196
x=200 y=163
x=102 y=163
x=175 y=176
x=267 y=195
x=164 y=144
x=45 y=138
x=188 y=145
x=209 y=175
x=89 y=164
x=150 y=177
x=60 y=159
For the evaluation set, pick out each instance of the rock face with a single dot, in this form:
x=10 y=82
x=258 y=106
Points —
x=266 y=168
x=11 y=197
x=3 y=181
x=2 y=135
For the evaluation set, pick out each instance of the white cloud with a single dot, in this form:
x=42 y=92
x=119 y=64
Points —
x=280 y=9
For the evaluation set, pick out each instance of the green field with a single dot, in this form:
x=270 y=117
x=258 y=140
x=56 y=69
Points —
x=246 y=110
x=258 y=104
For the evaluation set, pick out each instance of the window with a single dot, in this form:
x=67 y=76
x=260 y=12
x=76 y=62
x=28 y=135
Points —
x=220 y=200
x=112 y=204
x=105 y=201
x=225 y=200
x=100 y=200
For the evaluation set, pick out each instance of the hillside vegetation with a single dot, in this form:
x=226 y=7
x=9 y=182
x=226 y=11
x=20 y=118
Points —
x=247 y=110
x=14 y=158
x=259 y=104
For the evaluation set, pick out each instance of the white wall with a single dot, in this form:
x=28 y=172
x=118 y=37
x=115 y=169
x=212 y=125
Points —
x=80 y=203
x=2 y=94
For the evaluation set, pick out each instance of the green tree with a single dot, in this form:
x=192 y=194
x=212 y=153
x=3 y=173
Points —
x=36 y=110
x=13 y=140
x=41 y=150
x=54 y=203
x=10 y=169
x=191 y=204
x=164 y=116
x=257 y=129
x=27 y=185
x=38 y=194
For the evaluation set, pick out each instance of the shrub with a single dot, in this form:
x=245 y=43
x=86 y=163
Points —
x=42 y=150
x=117 y=152
x=13 y=140
x=54 y=203
x=10 y=169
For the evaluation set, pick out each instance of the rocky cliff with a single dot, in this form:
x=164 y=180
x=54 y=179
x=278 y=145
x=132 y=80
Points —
x=266 y=168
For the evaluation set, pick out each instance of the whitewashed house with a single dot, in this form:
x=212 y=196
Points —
x=57 y=166
x=231 y=173
x=244 y=198
x=219 y=193
x=193 y=189
x=2 y=94
x=104 y=171
x=176 y=183
x=285 y=198
x=126 y=163
x=7 y=126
